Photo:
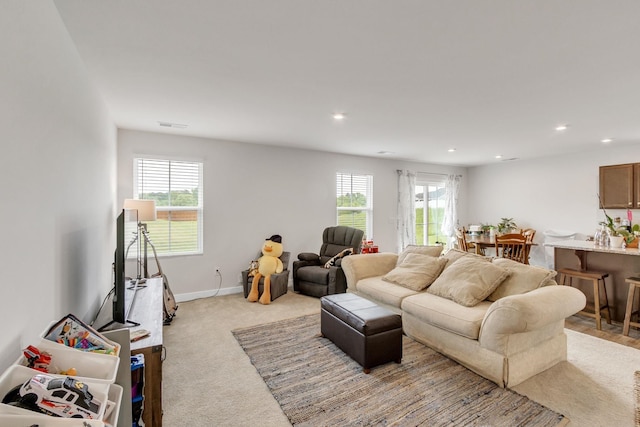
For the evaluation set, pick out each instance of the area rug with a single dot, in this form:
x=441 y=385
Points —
x=315 y=383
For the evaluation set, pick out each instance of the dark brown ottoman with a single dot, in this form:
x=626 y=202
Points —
x=370 y=334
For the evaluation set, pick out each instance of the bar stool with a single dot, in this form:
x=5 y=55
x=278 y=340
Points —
x=634 y=283
x=596 y=277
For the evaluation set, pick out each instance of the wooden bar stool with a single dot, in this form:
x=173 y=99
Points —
x=634 y=283
x=596 y=277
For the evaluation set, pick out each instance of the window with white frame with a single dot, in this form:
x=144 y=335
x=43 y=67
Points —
x=176 y=186
x=354 y=202
x=430 y=198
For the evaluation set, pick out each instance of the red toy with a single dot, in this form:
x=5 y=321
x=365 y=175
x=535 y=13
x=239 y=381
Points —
x=37 y=360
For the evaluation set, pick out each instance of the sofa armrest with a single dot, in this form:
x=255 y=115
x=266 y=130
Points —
x=360 y=266
x=532 y=310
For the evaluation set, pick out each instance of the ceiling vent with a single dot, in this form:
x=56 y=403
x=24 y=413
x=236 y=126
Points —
x=172 y=125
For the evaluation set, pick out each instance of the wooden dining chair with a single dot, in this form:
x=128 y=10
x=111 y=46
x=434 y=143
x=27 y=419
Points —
x=463 y=245
x=529 y=233
x=512 y=246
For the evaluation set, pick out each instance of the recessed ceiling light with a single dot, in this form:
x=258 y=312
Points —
x=339 y=116
x=451 y=150
x=606 y=140
x=499 y=156
x=172 y=125
x=562 y=128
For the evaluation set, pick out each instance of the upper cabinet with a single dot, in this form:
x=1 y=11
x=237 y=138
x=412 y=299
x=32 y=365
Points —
x=620 y=186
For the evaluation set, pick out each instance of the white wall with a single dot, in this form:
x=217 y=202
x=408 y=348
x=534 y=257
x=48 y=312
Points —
x=57 y=178
x=254 y=191
x=546 y=193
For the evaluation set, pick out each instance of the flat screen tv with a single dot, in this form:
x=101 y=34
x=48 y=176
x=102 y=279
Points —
x=123 y=295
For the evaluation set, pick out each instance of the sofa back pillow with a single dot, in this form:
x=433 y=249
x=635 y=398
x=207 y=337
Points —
x=468 y=281
x=416 y=271
x=452 y=255
x=433 y=251
x=524 y=278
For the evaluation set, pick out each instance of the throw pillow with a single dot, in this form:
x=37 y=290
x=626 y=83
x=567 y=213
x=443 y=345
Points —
x=416 y=272
x=468 y=281
x=452 y=255
x=433 y=251
x=343 y=253
x=524 y=278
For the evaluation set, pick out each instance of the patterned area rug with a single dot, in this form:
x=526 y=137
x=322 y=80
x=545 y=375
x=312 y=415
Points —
x=316 y=384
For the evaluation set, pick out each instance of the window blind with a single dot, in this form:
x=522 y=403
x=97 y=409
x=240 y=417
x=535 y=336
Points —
x=176 y=186
x=354 y=201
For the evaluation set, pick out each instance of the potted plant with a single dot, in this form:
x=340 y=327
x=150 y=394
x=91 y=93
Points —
x=488 y=229
x=617 y=235
x=506 y=225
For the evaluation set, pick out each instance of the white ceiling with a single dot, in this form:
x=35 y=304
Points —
x=414 y=77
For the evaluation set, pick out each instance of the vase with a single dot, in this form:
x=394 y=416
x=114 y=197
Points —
x=633 y=243
x=616 y=241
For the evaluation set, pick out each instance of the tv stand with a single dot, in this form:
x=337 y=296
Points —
x=147 y=312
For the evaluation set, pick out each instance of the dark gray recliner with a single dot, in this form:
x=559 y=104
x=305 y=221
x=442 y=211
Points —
x=279 y=281
x=309 y=275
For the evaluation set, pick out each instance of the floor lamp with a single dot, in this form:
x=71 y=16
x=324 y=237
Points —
x=146 y=212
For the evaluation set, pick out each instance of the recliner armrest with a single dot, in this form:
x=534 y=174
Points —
x=309 y=256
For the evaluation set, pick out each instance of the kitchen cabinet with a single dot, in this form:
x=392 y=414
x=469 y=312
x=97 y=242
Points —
x=620 y=186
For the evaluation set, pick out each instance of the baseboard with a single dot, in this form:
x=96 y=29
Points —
x=209 y=293
x=214 y=293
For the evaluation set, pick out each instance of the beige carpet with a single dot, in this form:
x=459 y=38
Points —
x=318 y=384
x=209 y=380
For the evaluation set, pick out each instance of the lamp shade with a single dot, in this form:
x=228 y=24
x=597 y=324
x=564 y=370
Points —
x=146 y=208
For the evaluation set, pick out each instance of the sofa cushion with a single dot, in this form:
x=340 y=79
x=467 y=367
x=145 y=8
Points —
x=468 y=281
x=452 y=255
x=446 y=314
x=416 y=272
x=523 y=278
x=435 y=251
x=387 y=293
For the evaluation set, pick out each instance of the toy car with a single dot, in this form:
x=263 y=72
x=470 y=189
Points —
x=62 y=397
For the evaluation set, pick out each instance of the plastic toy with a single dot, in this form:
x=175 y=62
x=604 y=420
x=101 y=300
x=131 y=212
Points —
x=37 y=360
x=269 y=263
x=57 y=396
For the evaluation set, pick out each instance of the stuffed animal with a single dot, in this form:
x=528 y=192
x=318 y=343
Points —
x=269 y=263
x=253 y=268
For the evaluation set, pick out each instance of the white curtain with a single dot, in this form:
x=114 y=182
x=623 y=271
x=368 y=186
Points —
x=450 y=220
x=406 y=225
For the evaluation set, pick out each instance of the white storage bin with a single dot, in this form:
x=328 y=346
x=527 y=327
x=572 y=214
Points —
x=113 y=344
x=94 y=366
x=17 y=375
x=10 y=420
x=115 y=396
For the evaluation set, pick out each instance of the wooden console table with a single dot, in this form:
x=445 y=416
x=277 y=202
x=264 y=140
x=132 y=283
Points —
x=148 y=312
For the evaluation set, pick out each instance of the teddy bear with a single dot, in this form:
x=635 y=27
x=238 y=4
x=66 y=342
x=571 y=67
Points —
x=269 y=263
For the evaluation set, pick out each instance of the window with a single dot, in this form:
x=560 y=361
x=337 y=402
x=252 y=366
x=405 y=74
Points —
x=430 y=198
x=176 y=186
x=354 y=202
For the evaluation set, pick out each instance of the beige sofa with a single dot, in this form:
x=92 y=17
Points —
x=512 y=334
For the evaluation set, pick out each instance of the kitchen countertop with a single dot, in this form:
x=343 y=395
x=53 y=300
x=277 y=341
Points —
x=583 y=245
